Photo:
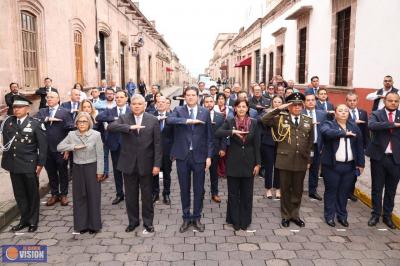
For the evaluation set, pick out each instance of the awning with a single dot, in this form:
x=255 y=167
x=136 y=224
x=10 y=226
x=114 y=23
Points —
x=244 y=62
x=169 y=69
x=223 y=67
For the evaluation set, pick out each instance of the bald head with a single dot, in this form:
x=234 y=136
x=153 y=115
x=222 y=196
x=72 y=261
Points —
x=52 y=98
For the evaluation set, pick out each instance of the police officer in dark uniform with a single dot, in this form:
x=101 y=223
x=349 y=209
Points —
x=24 y=155
x=294 y=134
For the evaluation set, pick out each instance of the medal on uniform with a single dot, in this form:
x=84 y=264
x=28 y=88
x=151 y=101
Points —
x=28 y=125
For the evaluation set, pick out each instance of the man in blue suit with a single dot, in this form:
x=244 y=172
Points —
x=219 y=146
x=384 y=151
x=315 y=86
x=322 y=102
x=73 y=106
x=192 y=149
x=318 y=117
x=113 y=139
x=58 y=123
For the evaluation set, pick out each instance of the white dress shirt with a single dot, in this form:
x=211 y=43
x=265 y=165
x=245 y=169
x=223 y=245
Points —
x=373 y=96
x=22 y=119
x=294 y=119
x=54 y=110
x=357 y=115
x=121 y=112
x=341 y=151
x=313 y=114
x=212 y=115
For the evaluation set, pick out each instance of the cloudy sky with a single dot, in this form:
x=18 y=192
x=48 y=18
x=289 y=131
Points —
x=191 y=26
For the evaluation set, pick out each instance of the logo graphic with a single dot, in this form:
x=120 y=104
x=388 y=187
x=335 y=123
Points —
x=24 y=253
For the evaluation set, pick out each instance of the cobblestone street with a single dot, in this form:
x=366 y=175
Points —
x=316 y=244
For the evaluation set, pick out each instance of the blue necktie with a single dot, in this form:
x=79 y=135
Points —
x=120 y=111
x=161 y=123
x=192 y=116
x=354 y=114
x=51 y=112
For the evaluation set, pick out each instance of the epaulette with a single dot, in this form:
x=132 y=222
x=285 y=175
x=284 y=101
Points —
x=305 y=115
x=283 y=113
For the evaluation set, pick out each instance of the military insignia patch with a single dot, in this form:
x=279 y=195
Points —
x=43 y=127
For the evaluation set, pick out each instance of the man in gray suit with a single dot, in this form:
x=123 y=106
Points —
x=139 y=161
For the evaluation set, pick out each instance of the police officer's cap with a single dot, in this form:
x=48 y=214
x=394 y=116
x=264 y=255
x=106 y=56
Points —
x=20 y=100
x=295 y=97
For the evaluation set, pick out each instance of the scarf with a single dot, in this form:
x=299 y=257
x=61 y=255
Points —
x=243 y=125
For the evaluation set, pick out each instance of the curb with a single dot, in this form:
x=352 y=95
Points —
x=366 y=199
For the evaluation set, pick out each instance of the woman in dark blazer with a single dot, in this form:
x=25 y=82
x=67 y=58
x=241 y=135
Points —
x=242 y=164
x=342 y=159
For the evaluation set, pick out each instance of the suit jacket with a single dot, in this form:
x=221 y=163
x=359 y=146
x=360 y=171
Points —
x=200 y=134
x=321 y=116
x=139 y=151
x=102 y=91
x=111 y=139
x=310 y=91
x=68 y=106
x=380 y=92
x=332 y=133
x=218 y=143
x=383 y=131
x=242 y=157
x=230 y=101
x=167 y=135
x=363 y=115
x=57 y=130
x=9 y=102
x=265 y=102
x=329 y=106
x=42 y=92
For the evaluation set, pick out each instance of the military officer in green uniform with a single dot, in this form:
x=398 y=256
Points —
x=24 y=154
x=293 y=133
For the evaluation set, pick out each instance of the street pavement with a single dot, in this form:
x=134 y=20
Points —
x=219 y=244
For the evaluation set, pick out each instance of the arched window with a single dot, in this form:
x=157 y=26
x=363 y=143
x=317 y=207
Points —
x=78 y=56
x=29 y=49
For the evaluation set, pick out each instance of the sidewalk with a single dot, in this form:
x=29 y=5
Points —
x=8 y=209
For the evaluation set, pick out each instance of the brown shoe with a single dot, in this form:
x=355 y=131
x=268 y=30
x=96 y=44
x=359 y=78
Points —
x=216 y=199
x=52 y=200
x=64 y=201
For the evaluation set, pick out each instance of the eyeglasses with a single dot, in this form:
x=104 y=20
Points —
x=82 y=121
x=387 y=80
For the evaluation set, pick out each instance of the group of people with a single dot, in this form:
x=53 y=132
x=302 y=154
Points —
x=269 y=131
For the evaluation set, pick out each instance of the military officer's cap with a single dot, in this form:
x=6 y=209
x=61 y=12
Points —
x=20 y=100
x=295 y=97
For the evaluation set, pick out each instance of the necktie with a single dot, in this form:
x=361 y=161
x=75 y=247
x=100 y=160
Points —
x=138 y=122
x=325 y=107
x=391 y=130
x=19 y=122
x=192 y=116
x=353 y=115
x=51 y=112
x=161 y=122
x=296 y=121
x=120 y=111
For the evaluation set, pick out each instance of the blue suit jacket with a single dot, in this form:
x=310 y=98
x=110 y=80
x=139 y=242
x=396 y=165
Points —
x=67 y=106
x=332 y=133
x=167 y=135
x=218 y=143
x=310 y=91
x=319 y=106
x=383 y=131
x=57 y=130
x=363 y=115
x=201 y=134
x=322 y=116
x=112 y=139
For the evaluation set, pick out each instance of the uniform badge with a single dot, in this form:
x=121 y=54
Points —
x=306 y=125
x=28 y=125
x=27 y=129
x=43 y=127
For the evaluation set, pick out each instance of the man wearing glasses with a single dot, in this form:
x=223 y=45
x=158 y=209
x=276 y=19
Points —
x=379 y=95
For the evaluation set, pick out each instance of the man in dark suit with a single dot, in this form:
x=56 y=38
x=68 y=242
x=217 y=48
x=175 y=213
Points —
x=258 y=101
x=150 y=99
x=318 y=118
x=102 y=89
x=24 y=160
x=379 y=95
x=236 y=89
x=9 y=97
x=58 y=123
x=42 y=92
x=114 y=86
x=269 y=92
x=219 y=146
x=314 y=86
x=192 y=149
x=167 y=138
x=359 y=117
x=229 y=100
x=384 y=151
x=73 y=106
x=322 y=101
x=113 y=140
x=140 y=160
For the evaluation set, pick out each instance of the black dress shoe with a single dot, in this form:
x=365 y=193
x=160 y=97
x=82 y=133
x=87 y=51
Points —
x=373 y=220
x=166 y=200
x=353 y=198
x=236 y=227
x=32 y=228
x=198 y=226
x=331 y=223
x=149 y=228
x=93 y=232
x=285 y=222
x=389 y=223
x=156 y=198
x=130 y=228
x=315 y=196
x=298 y=222
x=343 y=222
x=83 y=231
x=117 y=200
x=184 y=227
x=19 y=227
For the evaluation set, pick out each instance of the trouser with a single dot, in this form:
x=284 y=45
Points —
x=166 y=169
x=314 y=171
x=119 y=182
x=26 y=193
x=106 y=151
x=214 y=175
x=337 y=180
x=240 y=201
x=385 y=174
x=291 y=192
x=271 y=174
x=57 y=171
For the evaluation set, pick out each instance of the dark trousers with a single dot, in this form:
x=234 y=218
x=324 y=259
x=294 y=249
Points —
x=337 y=180
x=132 y=183
x=385 y=174
x=57 y=171
x=185 y=168
x=314 y=171
x=106 y=151
x=119 y=182
x=240 y=201
x=26 y=193
x=291 y=192
x=214 y=175
x=86 y=193
x=271 y=174
x=166 y=169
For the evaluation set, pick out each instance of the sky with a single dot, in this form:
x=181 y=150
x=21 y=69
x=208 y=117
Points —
x=190 y=27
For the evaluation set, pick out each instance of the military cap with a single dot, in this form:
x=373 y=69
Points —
x=295 y=97
x=20 y=100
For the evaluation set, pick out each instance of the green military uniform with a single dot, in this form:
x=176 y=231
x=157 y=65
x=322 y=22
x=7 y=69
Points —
x=27 y=149
x=294 y=146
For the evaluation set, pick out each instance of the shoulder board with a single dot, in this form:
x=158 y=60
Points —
x=306 y=116
x=284 y=113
